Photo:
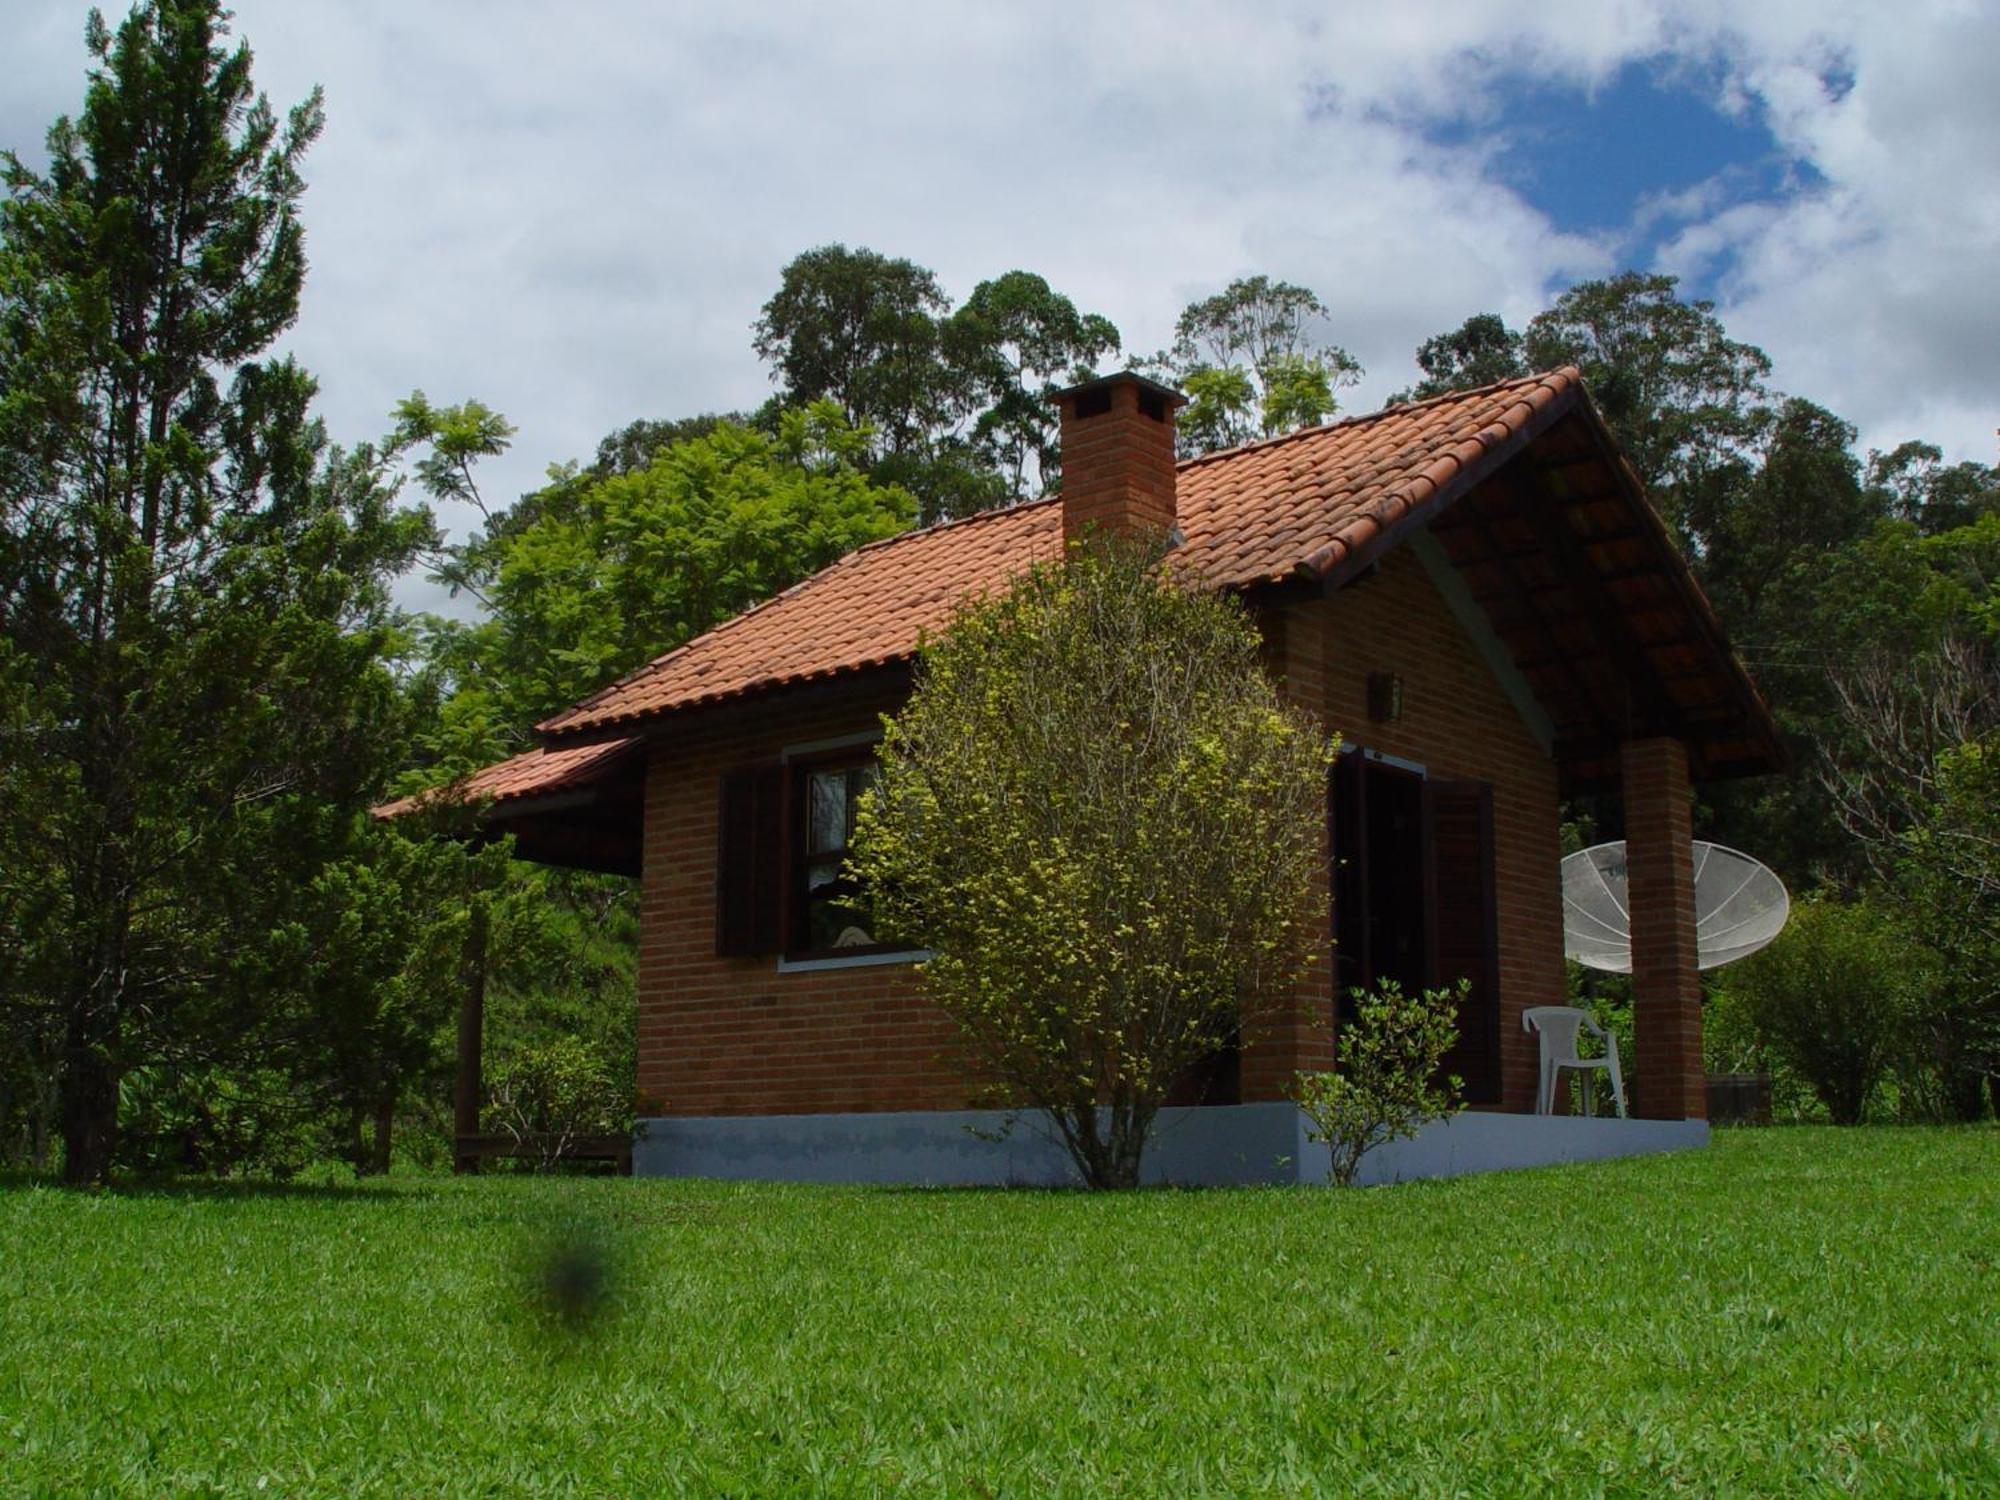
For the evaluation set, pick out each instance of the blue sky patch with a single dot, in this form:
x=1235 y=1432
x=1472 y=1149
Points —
x=1592 y=160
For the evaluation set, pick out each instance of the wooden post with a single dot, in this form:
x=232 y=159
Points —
x=471 y=1088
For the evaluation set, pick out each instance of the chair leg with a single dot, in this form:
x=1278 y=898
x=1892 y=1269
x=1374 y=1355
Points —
x=1617 y=1082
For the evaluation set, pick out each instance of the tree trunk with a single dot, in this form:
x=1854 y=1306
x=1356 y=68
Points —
x=1130 y=1120
x=470 y=1090
x=1107 y=1143
x=1965 y=1092
x=357 y=1139
x=385 y=1122
x=89 y=1109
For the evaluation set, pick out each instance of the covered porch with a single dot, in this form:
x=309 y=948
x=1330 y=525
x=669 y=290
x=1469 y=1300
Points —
x=1554 y=567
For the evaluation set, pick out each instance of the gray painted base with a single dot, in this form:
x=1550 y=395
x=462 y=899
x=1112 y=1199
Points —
x=1228 y=1145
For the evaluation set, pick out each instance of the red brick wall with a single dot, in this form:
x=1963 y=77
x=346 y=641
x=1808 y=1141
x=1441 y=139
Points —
x=724 y=1036
x=1458 y=723
x=735 y=1036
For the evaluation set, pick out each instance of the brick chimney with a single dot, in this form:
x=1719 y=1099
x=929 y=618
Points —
x=1118 y=456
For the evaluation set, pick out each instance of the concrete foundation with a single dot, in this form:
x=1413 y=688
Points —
x=1212 y=1147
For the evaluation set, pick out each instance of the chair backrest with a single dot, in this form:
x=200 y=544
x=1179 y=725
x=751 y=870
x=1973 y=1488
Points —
x=1556 y=1026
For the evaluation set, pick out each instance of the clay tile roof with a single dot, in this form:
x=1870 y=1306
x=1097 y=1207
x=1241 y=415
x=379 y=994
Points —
x=863 y=611
x=1297 y=505
x=535 y=773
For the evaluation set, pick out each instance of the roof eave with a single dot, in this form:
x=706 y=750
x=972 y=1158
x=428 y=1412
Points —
x=1758 y=718
x=1340 y=560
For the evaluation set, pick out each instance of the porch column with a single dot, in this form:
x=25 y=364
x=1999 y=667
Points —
x=1666 y=983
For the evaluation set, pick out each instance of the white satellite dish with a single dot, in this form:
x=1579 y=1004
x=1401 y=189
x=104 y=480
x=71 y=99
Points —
x=1739 y=906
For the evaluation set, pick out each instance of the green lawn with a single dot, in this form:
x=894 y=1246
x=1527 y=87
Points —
x=1791 y=1311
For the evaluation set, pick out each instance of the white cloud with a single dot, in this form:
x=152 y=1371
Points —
x=1874 y=289
x=575 y=212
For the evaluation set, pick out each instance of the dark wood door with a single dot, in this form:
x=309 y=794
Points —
x=1381 y=862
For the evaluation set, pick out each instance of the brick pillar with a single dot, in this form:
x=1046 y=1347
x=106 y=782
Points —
x=1666 y=985
x=1297 y=1033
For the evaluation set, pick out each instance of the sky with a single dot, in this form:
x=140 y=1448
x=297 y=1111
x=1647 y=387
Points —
x=574 y=212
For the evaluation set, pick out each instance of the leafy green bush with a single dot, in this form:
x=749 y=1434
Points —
x=552 y=1093
x=1732 y=1043
x=225 y=1121
x=1834 y=999
x=1385 y=1085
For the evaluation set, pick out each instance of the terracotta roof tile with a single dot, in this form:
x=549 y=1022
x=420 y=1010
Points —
x=1294 y=505
x=534 y=773
x=865 y=610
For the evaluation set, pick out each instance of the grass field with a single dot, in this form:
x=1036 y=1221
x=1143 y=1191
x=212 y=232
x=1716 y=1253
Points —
x=1793 y=1311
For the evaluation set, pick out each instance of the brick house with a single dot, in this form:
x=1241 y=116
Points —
x=1473 y=590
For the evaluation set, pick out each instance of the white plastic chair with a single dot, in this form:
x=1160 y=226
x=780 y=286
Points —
x=1556 y=1026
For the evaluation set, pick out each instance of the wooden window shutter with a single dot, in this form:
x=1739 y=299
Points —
x=1347 y=843
x=749 y=862
x=1465 y=927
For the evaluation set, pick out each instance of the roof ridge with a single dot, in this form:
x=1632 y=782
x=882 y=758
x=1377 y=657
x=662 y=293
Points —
x=990 y=513
x=1561 y=375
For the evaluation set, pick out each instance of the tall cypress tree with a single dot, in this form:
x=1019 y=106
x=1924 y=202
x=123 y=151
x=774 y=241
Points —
x=193 y=586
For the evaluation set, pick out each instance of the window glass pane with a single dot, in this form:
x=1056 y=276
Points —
x=835 y=917
x=858 y=781
x=828 y=814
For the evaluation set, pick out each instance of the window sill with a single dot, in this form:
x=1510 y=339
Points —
x=851 y=961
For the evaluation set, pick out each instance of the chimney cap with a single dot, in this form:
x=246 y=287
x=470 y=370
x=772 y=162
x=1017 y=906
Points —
x=1123 y=377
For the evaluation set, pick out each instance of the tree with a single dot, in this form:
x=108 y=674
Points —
x=1254 y=361
x=1833 y=996
x=582 y=580
x=592 y=576
x=1913 y=483
x=1097 y=815
x=1685 y=400
x=862 y=330
x=1766 y=538
x=634 y=446
x=1909 y=636
x=955 y=401
x=1222 y=402
x=1480 y=351
x=366 y=967
x=1021 y=341
x=1950 y=881
x=1885 y=651
x=200 y=582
